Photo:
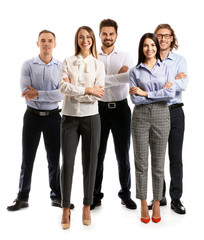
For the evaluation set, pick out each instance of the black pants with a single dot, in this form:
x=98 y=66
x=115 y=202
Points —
x=175 y=144
x=89 y=129
x=118 y=121
x=33 y=126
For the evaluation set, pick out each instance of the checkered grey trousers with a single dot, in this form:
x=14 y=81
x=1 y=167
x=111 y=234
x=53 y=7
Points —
x=150 y=129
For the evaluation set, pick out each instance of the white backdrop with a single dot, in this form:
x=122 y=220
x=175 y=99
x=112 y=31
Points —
x=21 y=21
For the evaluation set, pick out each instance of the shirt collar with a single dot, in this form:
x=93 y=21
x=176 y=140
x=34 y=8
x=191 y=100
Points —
x=85 y=59
x=37 y=60
x=171 y=55
x=100 y=51
x=144 y=66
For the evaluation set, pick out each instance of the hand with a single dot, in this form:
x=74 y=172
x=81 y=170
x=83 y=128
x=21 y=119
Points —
x=180 y=75
x=167 y=85
x=123 y=69
x=30 y=94
x=95 y=91
x=138 y=91
x=67 y=80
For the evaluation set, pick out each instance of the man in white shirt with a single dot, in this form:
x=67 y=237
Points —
x=114 y=112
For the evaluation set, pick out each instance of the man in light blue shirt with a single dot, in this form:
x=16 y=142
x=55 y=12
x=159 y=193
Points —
x=45 y=79
x=39 y=84
x=168 y=41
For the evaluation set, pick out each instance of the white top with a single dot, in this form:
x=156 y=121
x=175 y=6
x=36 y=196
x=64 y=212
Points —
x=116 y=88
x=88 y=72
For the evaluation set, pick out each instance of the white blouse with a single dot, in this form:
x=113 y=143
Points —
x=82 y=73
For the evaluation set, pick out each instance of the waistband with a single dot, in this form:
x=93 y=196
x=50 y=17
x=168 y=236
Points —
x=112 y=105
x=43 y=113
x=176 y=105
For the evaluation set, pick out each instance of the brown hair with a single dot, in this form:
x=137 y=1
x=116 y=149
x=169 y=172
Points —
x=46 y=31
x=93 y=47
x=141 y=56
x=108 y=23
x=174 y=43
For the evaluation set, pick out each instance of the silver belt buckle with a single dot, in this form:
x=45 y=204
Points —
x=43 y=114
x=111 y=105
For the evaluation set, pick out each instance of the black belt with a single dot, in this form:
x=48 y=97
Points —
x=112 y=105
x=176 y=105
x=43 y=113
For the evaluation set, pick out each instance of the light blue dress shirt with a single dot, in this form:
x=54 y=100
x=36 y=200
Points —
x=153 y=82
x=45 y=79
x=177 y=64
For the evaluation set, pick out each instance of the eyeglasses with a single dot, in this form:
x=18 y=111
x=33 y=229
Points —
x=160 y=36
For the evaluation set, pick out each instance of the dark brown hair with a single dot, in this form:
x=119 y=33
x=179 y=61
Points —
x=108 y=23
x=141 y=56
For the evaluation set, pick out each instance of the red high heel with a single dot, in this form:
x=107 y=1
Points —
x=145 y=220
x=156 y=220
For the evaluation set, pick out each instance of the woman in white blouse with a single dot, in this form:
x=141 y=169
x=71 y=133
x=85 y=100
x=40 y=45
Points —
x=82 y=80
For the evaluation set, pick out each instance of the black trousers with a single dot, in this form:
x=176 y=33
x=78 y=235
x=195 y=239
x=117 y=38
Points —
x=89 y=129
x=175 y=144
x=33 y=126
x=117 y=120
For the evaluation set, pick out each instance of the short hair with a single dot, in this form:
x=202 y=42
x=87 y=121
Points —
x=141 y=56
x=108 y=23
x=46 y=31
x=174 y=43
x=93 y=47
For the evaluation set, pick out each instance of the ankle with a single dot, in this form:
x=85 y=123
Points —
x=144 y=209
x=156 y=209
x=66 y=211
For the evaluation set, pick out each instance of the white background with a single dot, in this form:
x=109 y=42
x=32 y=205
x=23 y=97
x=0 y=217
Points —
x=20 y=22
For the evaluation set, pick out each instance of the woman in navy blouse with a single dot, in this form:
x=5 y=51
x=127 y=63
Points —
x=151 y=86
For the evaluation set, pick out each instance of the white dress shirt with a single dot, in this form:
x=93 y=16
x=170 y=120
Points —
x=116 y=88
x=82 y=73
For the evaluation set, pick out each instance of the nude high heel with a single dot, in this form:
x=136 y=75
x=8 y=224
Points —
x=86 y=218
x=66 y=218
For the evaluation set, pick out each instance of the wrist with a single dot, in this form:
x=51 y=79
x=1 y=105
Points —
x=88 y=90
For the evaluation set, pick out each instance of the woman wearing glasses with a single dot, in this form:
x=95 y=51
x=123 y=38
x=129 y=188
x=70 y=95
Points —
x=82 y=80
x=151 y=86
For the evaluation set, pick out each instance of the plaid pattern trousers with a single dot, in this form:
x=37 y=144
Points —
x=150 y=130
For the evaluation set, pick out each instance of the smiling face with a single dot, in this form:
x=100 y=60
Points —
x=108 y=36
x=149 y=48
x=165 y=38
x=46 y=43
x=84 y=40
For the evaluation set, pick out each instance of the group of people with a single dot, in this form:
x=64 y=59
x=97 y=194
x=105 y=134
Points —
x=94 y=86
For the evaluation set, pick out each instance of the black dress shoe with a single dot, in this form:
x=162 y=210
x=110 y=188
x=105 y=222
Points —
x=95 y=204
x=163 y=202
x=177 y=207
x=18 y=205
x=129 y=203
x=57 y=203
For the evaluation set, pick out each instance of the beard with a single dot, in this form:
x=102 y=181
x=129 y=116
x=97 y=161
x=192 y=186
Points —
x=108 y=43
